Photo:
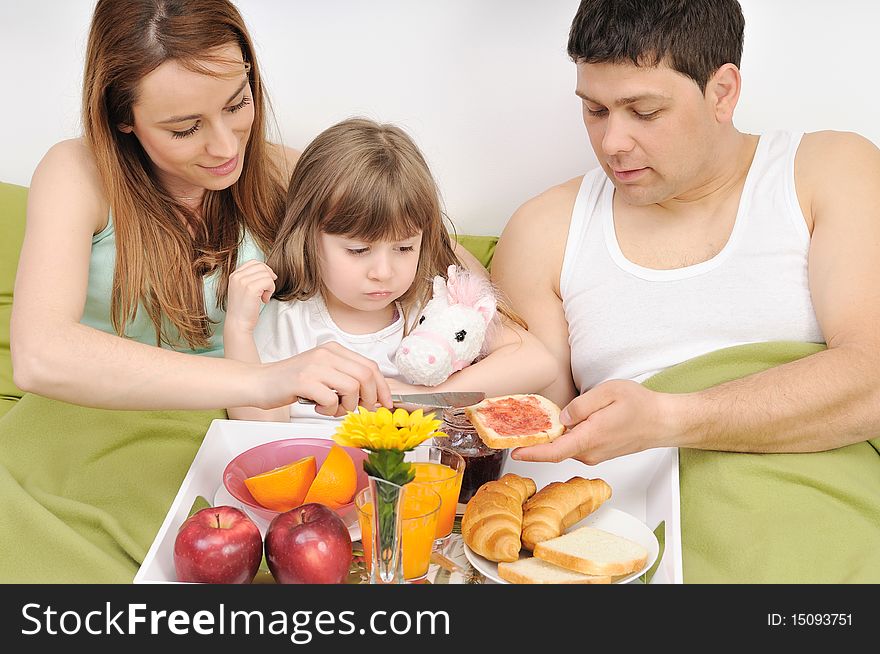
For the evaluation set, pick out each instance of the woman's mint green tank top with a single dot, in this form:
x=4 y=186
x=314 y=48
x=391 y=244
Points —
x=97 y=309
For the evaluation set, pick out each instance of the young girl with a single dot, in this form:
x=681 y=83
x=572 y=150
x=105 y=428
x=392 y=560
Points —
x=353 y=263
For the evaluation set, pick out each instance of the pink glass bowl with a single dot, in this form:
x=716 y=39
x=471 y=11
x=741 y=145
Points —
x=275 y=454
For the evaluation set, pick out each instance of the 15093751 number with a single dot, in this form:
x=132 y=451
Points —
x=810 y=620
x=821 y=619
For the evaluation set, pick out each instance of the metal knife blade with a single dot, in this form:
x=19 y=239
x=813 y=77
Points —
x=448 y=400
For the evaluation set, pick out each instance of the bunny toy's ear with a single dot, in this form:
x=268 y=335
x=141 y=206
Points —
x=441 y=293
x=452 y=274
x=487 y=305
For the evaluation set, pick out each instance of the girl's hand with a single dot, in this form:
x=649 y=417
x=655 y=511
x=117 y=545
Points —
x=250 y=286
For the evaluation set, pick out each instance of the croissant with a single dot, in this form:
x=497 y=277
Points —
x=492 y=520
x=559 y=505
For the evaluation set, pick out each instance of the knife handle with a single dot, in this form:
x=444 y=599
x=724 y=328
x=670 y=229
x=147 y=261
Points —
x=305 y=400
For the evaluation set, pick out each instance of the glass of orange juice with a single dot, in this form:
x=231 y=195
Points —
x=421 y=506
x=440 y=469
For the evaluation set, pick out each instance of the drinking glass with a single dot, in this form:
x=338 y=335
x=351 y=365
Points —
x=421 y=506
x=440 y=469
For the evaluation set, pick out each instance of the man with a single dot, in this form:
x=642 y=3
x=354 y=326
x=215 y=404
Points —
x=693 y=237
x=661 y=267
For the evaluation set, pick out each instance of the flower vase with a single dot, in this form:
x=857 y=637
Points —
x=386 y=529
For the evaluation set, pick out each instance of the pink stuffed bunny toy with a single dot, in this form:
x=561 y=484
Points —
x=451 y=331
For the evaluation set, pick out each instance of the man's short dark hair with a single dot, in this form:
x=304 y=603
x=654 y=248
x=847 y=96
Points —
x=693 y=37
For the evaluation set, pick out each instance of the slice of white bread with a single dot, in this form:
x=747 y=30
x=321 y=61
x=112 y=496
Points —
x=499 y=441
x=535 y=571
x=593 y=551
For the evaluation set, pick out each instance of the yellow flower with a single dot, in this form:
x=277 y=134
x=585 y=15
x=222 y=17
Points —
x=384 y=430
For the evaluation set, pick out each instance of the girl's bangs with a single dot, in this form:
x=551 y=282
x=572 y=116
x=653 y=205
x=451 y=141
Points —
x=388 y=214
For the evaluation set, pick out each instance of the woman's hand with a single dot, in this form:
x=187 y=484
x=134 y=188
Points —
x=250 y=286
x=334 y=377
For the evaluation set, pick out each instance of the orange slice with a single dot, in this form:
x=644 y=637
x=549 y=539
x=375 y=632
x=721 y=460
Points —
x=283 y=488
x=336 y=481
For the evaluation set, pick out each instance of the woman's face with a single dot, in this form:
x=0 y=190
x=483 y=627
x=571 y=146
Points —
x=194 y=127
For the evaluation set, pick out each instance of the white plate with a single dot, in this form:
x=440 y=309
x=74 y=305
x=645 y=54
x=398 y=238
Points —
x=606 y=518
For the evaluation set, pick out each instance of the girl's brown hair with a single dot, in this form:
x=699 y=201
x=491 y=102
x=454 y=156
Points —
x=164 y=248
x=367 y=181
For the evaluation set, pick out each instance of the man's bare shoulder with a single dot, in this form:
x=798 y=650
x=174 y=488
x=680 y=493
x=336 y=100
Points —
x=832 y=164
x=536 y=235
x=547 y=214
x=830 y=143
x=830 y=152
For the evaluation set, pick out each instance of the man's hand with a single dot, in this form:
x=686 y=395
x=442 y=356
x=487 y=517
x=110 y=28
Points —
x=612 y=419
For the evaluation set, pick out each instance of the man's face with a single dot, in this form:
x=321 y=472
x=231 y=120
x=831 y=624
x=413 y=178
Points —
x=651 y=129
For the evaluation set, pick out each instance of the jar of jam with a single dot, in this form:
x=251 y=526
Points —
x=482 y=463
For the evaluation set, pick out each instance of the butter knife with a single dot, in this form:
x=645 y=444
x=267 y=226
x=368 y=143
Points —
x=447 y=400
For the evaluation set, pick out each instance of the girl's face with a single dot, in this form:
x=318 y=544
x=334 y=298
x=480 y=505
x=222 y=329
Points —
x=366 y=277
x=195 y=127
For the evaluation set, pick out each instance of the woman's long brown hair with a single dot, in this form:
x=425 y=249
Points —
x=163 y=249
x=368 y=181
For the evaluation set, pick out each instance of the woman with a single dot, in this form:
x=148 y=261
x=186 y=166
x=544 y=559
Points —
x=134 y=229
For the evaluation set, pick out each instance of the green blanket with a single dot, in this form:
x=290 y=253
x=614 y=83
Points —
x=84 y=492
x=774 y=518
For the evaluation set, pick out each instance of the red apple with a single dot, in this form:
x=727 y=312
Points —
x=308 y=545
x=218 y=545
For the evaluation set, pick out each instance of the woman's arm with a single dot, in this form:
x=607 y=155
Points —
x=56 y=356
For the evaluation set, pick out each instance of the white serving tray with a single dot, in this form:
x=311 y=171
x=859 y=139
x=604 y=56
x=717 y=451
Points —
x=644 y=485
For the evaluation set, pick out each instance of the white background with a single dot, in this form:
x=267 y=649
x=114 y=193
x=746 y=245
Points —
x=484 y=86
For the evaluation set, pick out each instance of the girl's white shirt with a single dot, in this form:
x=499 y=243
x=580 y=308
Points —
x=289 y=328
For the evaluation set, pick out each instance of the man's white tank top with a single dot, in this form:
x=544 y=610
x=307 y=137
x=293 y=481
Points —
x=626 y=321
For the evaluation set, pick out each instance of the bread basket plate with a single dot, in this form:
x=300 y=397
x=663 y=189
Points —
x=609 y=519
